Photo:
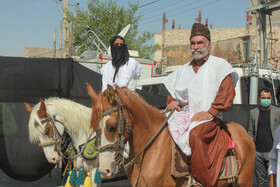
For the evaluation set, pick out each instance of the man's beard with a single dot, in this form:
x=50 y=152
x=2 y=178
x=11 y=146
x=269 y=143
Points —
x=199 y=53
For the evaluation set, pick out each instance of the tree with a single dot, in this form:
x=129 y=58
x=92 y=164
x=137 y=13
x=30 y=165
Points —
x=106 y=19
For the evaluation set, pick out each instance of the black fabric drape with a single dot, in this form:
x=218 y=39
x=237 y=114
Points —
x=28 y=80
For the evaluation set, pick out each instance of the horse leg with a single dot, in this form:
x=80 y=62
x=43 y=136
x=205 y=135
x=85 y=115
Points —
x=245 y=177
x=245 y=149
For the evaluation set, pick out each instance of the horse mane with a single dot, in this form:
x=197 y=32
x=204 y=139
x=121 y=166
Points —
x=126 y=95
x=75 y=115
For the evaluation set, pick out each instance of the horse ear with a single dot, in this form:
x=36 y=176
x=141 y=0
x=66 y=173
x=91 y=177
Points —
x=42 y=112
x=28 y=107
x=110 y=94
x=91 y=93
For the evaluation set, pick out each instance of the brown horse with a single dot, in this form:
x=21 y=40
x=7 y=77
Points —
x=121 y=111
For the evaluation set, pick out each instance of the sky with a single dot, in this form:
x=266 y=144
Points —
x=31 y=23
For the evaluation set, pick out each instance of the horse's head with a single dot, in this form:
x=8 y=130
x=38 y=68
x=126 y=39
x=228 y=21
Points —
x=44 y=128
x=110 y=119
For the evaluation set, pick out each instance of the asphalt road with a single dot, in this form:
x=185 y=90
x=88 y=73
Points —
x=49 y=181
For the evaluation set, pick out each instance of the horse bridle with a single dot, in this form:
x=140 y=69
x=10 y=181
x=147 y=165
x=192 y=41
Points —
x=118 y=146
x=58 y=138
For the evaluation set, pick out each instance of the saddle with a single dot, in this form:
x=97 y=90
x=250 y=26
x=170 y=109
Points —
x=179 y=162
x=180 y=168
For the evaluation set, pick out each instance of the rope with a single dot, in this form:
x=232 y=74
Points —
x=50 y=143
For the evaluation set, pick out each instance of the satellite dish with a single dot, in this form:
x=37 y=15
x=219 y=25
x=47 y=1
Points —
x=122 y=34
x=124 y=31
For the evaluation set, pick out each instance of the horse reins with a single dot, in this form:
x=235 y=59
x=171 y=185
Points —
x=132 y=161
x=118 y=145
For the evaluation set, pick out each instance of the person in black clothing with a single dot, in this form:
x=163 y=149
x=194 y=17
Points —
x=263 y=122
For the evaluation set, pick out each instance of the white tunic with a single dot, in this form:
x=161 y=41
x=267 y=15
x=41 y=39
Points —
x=200 y=90
x=127 y=75
x=274 y=157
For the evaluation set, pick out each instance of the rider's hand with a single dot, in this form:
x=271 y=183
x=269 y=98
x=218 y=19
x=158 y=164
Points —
x=173 y=105
x=200 y=116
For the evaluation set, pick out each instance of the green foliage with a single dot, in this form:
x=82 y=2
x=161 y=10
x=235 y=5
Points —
x=106 y=18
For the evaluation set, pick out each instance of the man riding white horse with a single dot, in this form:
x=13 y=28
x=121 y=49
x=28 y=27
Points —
x=207 y=84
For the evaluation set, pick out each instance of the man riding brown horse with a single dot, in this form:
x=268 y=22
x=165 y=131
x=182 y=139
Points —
x=207 y=84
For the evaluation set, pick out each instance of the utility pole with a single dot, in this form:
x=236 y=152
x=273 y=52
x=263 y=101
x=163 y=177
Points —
x=199 y=17
x=163 y=57
x=261 y=43
x=248 y=21
x=173 y=24
x=54 y=44
x=70 y=40
x=60 y=39
x=65 y=52
x=66 y=28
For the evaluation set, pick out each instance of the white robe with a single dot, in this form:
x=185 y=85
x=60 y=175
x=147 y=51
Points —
x=200 y=90
x=127 y=75
x=274 y=157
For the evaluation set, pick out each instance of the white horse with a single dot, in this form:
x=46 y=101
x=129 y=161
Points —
x=51 y=118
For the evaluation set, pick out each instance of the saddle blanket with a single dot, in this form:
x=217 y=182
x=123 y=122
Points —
x=179 y=166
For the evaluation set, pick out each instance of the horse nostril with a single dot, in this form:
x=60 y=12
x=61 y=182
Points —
x=107 y=171
x=53 y=159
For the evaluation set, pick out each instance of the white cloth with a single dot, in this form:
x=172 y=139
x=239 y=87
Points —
x=274 y=157
x=127 y=75
x=179 y=126
x=199 y=89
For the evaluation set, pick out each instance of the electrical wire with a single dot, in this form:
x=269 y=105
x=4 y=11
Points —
x=179 y=13
x=59 y=9
x=171 y=10
x=159 y=6
x=141 y=6
x=206 y=4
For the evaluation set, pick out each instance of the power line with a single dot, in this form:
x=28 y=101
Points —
x=141 y=6
x=59 y=10
x=206 y=4
x=77 y=4
x=174 y=9
x=159 y=7
x=179 y=13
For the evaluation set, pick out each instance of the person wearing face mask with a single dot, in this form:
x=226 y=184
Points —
x=263 y=123
x=122 y=70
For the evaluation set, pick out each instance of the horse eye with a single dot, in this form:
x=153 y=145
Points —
x=36 y=124
x=47 y=131
x=113 y=128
